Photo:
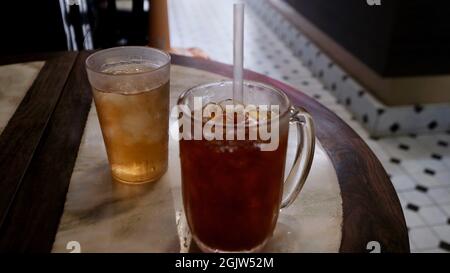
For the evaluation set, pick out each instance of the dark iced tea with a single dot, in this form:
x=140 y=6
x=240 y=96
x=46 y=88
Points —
x=232 y=190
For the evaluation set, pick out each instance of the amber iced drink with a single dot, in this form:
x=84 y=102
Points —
x=131 y=93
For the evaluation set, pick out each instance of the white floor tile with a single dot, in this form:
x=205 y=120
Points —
x=392 y=168
x=417 y=198
x=419 y=163
x=440 y=195
x=433 y=250
x=427 y=180
x=424 y=238
x=413 y=219
x=446 y=208
x=403 y=182
x=446 y=161
x=433 y=215
x=412 y=246
x=431 y=142
x=443 y=232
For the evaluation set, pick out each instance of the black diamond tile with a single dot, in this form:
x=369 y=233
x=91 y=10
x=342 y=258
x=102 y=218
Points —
x=294 y=71
x=394 y=127
x=317 y=96
x=380 y=111
x=421 y=188
x=285 y=78
x=412 y=207
x=330 y=65
x=418 y=108
x=429 y=171
x=412 y=135
x=348 y=101
x=320 y=75
x=333 y=87
x=276 y=66
x=444 y=245
x=374 y=138
x=305 y=83
x=403 y=147
x=365 y=118
x=448 y=221
x=361 y=93
x=395 y=160
x=432 y=125
x=442 y=143
x=344 y=78
x=436 y=156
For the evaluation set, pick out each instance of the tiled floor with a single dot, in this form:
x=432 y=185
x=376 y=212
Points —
x=419 y=165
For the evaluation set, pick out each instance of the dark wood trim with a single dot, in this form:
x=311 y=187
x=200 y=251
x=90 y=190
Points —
x=392 y=91
x=24 y=130
x=35 y=214
x=29 y=57
x=372 y=211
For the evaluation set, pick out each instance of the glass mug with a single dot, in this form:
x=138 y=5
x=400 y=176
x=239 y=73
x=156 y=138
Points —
x=233 y=189
x=131 y=93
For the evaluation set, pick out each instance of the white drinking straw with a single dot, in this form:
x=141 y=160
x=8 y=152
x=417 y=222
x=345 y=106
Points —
x=238 y=52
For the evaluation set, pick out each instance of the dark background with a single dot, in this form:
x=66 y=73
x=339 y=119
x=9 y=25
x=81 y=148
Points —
x=398 y=38
x=30 y=26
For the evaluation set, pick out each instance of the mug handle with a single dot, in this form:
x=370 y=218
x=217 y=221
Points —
x=304 y=156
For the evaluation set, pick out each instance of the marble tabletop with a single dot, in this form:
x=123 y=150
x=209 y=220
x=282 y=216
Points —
x=15 y=80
